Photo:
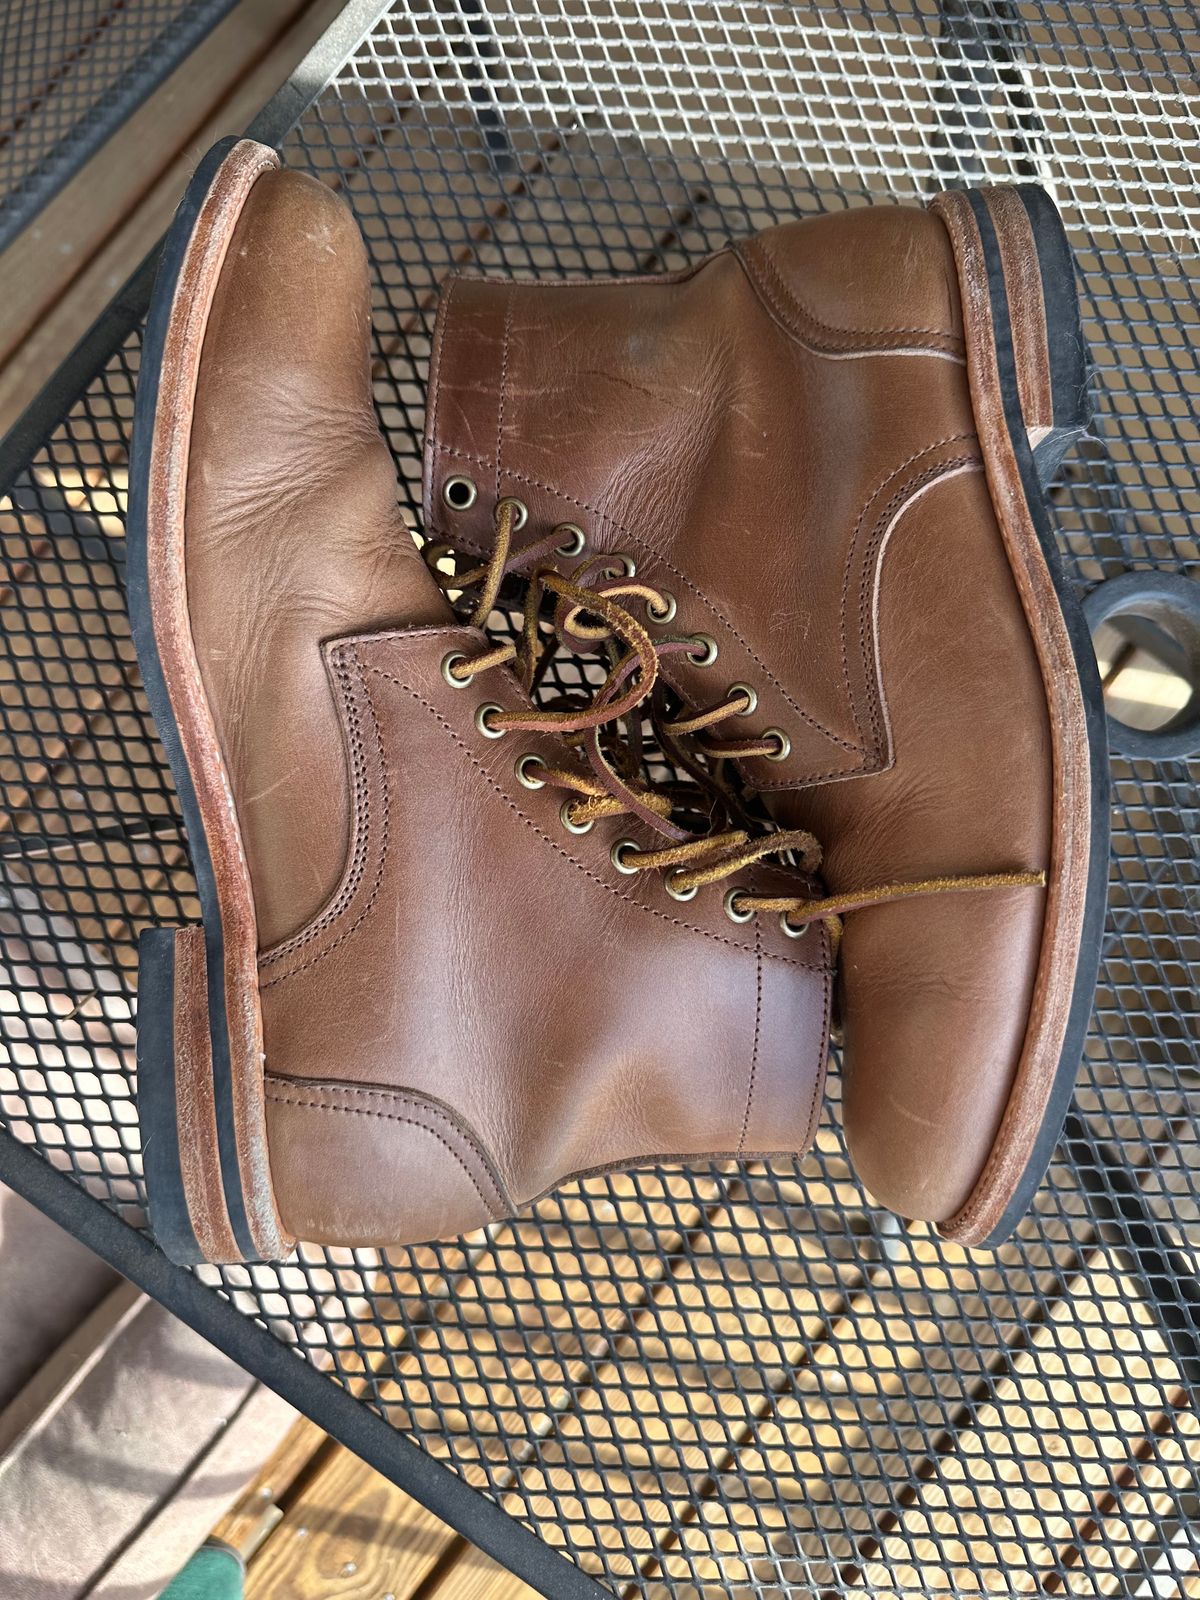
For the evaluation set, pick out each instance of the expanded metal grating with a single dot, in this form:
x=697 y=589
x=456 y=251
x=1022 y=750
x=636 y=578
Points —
x=70 y=72
x=743 y=1380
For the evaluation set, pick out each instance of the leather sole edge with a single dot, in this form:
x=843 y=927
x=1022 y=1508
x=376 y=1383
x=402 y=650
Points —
x=211 y=1054
x=1035 y=357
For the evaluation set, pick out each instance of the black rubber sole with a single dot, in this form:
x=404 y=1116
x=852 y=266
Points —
x=1071 y=417
x=155 y=1044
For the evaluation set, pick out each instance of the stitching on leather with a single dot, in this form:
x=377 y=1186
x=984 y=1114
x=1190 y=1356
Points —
x=676 y=572
x=761 y=258
x=558 y=849
x=508 y=304
x=346 y=933
x=519 y=281
x=894 y=508
x=361 y=801
x=496 y=1206
x=852 y=552
x=757 y=1032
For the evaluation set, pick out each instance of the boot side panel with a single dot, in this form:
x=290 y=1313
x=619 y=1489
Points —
x=700 y=425
x=483 y=958
x=380 y=1165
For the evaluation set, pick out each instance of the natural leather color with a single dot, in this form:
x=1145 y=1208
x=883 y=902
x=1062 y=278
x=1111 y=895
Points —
x=783 y=438
x=463 y=1004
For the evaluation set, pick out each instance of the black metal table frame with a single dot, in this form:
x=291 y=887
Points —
x=1170 y=1286
x=120 y=99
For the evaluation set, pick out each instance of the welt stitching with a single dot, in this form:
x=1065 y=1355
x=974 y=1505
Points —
x=362 y=811
x=918 y=455
x=757 y=1031
x=682 y=577
x=385 y=833
x=494 y=1206
x=558 y=849
x=762 y=257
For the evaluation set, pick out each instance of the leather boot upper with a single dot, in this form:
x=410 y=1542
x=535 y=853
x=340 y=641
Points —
x=463 y=1003
x=782 y=438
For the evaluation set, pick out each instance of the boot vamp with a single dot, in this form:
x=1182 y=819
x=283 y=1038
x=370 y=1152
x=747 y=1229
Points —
x=292 y=530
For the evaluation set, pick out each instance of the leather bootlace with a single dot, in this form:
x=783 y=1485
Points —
x=596 y=588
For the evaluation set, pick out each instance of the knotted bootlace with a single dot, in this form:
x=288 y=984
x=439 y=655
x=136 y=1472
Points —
x=600 y=588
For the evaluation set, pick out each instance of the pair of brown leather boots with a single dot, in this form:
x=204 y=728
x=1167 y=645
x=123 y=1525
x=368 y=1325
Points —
x=457 y=946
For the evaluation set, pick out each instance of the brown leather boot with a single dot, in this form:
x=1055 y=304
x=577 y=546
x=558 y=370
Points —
x=427 y=987
x=824 y=448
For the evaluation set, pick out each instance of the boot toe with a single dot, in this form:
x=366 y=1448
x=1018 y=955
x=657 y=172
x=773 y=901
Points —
x=937 y=997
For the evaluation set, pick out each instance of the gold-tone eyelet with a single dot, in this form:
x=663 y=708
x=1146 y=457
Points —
x=569 y=822
x=520 y=511
x=783 y=744
x=617 y=856
x=733 y=911
x=708 y=648
x=459 y=493
x=675 y=892
x=524 y=772
x=483 y=721
x=667 y=612
x=448 y=665
x=750 y=694
x=621 y=566
x=790 y=928
x=573 y=544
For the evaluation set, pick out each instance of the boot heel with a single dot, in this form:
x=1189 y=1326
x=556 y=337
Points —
x=1028 y=277
x=176 y=1102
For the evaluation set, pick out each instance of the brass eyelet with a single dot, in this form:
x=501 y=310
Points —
x=448 y=665
x=524 y=775
x=676 y=893
x=732 y=910
x=750 y=694
x=520 y=511
x=783 y=743
x=459 y=493
x=792 y=931
x=573 y=545
x=569 y=822
x=483 y=721
x=621 y=566
x=661 y=618
x=708 y=645
x=617 y=856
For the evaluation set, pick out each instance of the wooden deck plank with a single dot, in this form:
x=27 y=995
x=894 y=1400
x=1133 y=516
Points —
x=349 y=1534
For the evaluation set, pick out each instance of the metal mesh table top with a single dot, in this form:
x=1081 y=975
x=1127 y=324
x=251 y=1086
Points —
x=71 y=72
x=743 y=1380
